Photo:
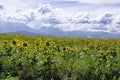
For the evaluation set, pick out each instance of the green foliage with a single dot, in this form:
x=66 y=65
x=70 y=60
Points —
x=12 y=78
x=58 y=58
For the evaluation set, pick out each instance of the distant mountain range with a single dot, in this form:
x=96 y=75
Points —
x=13 y=27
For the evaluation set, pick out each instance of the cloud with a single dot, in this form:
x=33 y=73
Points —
x=106 y=19
x=45 y=15
x=93 y=1
x=1 y=6
x=86 y=5
x=116 y=4
x=48 y=16
x=66 y=3
x=100 y=1
x=45 y=9
x=82 y=18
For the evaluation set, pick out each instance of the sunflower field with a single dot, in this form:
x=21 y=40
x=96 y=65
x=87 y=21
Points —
x=25 y=57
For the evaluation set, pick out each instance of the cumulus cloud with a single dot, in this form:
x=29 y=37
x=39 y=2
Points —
x=106 y=19
x=82 y=18
x=45 y=15
x=45 y=9
x=48 y=16
x=117 y=19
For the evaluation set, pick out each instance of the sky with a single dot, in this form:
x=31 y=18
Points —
x=67 y=15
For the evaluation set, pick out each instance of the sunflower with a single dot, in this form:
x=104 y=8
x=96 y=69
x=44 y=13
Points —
x=5 y=42
x=67 y=48
x=37 y=44
x=48 y=43
x=14 y=43
x=25 y=44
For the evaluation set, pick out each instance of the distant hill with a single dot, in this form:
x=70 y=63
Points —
x=50 y=31
x=13 y=27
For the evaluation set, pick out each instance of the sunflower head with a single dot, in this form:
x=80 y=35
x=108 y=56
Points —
x=48 y=43
x=14 y=42
x=67 y=48
x=5 y=42
x=36 y=44
x=25 y=44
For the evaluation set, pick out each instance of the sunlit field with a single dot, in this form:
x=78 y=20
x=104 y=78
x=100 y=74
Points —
x=25 y=57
